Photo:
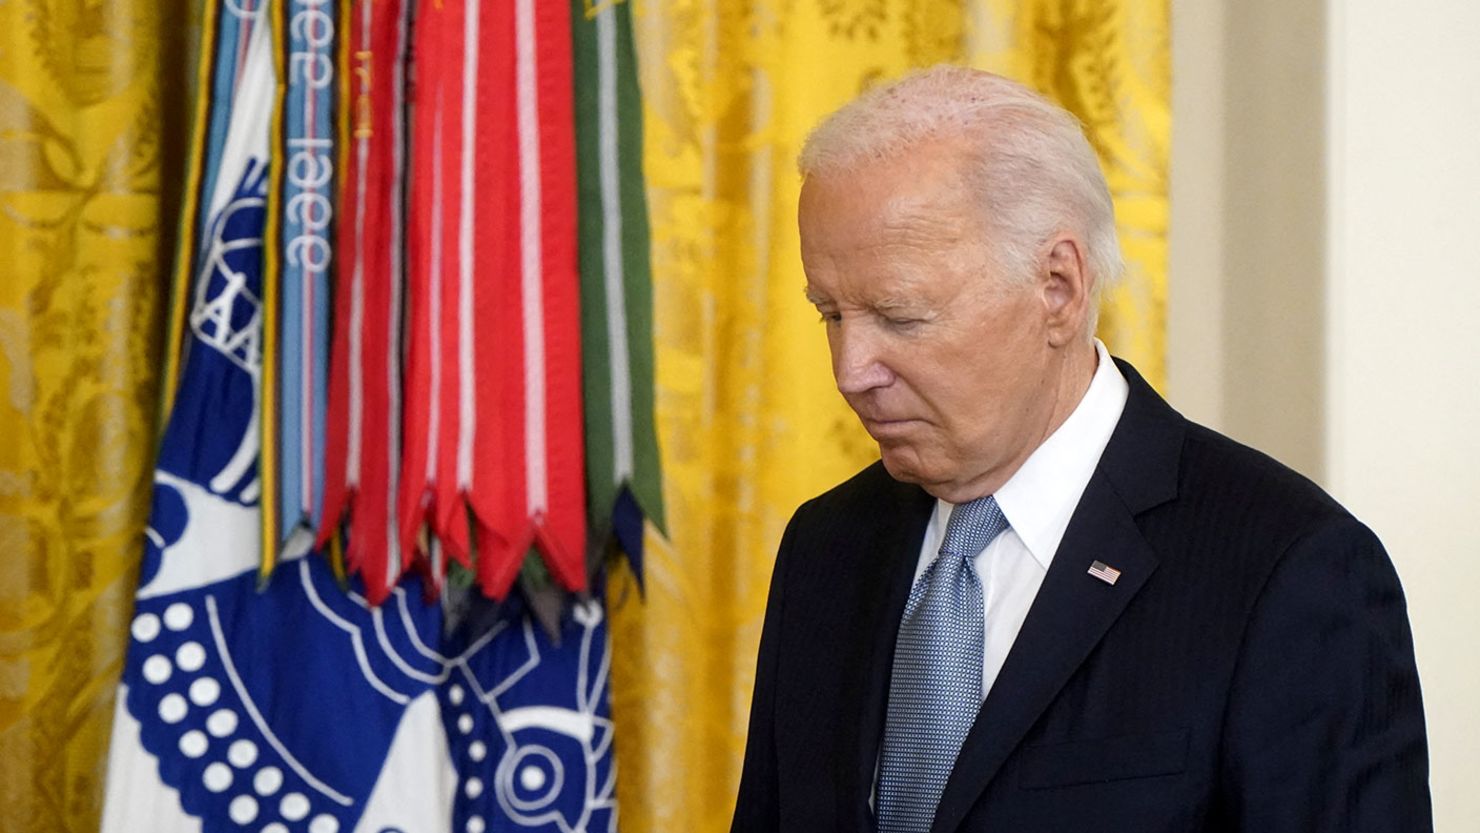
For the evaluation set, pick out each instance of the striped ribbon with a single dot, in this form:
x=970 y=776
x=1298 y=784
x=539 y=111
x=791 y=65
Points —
x=494 y=460
x=429 y=508
x=539 y=498
x=300 y=251
x=364 y=436
x=452 y=75
x=436 y=38
x=622 y=466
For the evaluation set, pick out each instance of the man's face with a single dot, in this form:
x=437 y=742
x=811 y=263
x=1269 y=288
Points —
x=947 y=363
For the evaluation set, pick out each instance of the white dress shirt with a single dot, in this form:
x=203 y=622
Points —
x=1038 y=501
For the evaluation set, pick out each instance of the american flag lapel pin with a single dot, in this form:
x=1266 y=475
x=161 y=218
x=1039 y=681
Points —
x=1104 y=572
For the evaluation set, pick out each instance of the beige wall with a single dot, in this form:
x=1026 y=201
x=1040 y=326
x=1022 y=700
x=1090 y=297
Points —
x=1325 y=190
x=1248 y=222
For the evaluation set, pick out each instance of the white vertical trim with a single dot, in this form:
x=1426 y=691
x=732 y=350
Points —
x=1401 y=366
x=613 y=272
x=434 y=298
x=357 y=300
x=531 y=254
x=306 y=381
x=467 y=410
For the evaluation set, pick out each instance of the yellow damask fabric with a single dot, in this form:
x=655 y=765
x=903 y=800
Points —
x=86 y=126
x=748 y=420
x=1109 y=62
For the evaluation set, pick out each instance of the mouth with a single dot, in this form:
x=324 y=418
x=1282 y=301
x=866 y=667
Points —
x=881 y=429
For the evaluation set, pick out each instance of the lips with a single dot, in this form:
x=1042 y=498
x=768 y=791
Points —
x=881 y=429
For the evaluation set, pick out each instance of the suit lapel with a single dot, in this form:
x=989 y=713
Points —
x=1073 y=609
x=1071 y=612
x=893 y=540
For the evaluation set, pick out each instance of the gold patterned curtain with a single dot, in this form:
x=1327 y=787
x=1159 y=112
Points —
x=1109 y=62
x=88 y=126
x=91 y=129
x=748 y=420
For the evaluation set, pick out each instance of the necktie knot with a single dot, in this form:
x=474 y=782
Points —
x=973 y=526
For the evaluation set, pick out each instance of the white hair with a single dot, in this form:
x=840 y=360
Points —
x=1034 y=170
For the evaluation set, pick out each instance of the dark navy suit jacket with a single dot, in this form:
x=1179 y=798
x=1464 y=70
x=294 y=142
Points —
x=1251 y=670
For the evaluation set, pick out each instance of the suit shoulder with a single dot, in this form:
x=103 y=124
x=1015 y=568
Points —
x=1242 y=487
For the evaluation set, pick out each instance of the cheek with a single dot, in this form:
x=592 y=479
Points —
x=979 y=402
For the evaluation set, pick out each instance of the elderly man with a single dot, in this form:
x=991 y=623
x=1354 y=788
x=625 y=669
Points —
x=1055 y=604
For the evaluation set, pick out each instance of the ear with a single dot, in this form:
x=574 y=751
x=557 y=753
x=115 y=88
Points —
x=1067 y=289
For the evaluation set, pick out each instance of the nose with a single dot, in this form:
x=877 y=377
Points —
x=858 y=365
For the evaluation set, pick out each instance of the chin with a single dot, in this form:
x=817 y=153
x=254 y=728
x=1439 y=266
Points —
x=903 y=466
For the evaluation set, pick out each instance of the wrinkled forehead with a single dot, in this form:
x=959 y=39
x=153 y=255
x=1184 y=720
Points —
x=913 y=199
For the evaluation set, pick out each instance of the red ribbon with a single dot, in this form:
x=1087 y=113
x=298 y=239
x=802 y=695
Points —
x=493 y=450
x=363 y=433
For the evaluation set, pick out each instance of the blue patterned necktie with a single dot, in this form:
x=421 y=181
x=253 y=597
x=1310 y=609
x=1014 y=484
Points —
x=936 y=687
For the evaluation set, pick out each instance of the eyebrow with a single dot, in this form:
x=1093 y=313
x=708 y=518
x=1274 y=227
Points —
x=895 y=303
x=887 y=304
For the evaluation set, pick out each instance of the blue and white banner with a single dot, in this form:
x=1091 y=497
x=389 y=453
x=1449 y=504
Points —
x=304 y=709
x=297 y=706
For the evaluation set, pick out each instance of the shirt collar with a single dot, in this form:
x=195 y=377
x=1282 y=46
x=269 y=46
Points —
x=1040 y=497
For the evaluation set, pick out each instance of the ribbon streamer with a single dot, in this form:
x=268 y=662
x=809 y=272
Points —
x=622 y=468
x=300 y=256
x=495 y=308
x=364 y=440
